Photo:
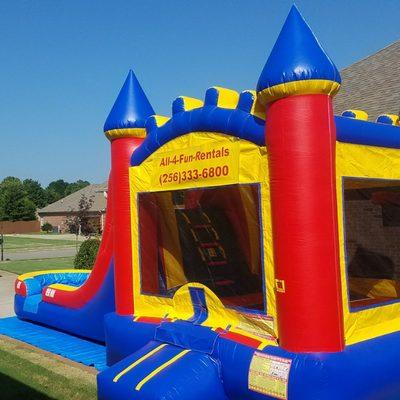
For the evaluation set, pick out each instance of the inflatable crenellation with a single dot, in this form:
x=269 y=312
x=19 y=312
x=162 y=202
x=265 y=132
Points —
x=221 y=97
x=184 y=103
x=389 y=119
x=249 y=102
x=357 y=114
x=154 y=122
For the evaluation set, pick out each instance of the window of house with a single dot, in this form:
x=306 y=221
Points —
x=372 y=236
x=211 y=236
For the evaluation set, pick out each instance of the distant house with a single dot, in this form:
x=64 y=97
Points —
x=372 y=84
x=57 y=213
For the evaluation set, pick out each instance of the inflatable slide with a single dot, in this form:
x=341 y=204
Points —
x=72 y=300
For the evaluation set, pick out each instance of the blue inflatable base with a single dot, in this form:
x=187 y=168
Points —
x=71 y=347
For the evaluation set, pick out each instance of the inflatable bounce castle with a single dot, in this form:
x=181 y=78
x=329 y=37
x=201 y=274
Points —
x=251 y=249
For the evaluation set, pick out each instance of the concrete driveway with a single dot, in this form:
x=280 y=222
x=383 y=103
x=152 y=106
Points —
x=7 y=280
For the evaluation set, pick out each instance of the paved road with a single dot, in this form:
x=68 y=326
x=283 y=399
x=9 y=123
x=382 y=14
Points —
x=53 y=252
x=7 y=280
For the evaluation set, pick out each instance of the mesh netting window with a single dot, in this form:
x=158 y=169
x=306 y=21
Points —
x=210 y=236
x=372 y=235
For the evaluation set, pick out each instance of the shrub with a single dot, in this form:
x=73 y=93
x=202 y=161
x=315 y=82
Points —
x=87 y=253
x=47 y=227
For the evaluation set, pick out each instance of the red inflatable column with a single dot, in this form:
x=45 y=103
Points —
x=121 y=152
x=300 y=139
x=125 y=128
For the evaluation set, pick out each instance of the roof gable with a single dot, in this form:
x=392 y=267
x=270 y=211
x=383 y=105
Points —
x=70 y=202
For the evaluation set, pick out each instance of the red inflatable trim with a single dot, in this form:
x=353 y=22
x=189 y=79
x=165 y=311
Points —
x=152 y=320
x=239 y=338
x=20 y=287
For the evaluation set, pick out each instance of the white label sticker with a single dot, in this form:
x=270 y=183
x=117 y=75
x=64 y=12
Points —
x=269 y=375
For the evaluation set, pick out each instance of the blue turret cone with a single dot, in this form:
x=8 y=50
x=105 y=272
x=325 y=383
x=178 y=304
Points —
x=297 y=56
x=131 y=109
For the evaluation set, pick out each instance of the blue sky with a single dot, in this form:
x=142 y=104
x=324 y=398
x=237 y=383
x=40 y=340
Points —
x=63 y=62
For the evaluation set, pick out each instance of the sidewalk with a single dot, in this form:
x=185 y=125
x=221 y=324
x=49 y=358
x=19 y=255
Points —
x=7 y=280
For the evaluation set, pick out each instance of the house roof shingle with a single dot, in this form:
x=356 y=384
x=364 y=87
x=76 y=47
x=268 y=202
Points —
x=70 y=202
x=372 y=84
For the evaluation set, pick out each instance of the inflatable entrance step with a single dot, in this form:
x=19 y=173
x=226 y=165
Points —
x=162 y=371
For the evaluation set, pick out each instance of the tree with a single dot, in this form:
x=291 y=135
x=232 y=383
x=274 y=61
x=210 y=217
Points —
x=79 y=222
x=20 y=199
x=10 y=179
x=56 y=190
x=51 y=196
x=47 y=227
x=86 y=256
x=75 y=186
x=14 y=202
x=35 y=192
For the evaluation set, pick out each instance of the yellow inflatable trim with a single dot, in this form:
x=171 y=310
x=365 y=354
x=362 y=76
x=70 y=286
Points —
x=53 y=271
x=227 y=98
x=137 y=362
x=312 y=86
x=161 y=368
x=160 y=120
x=61 y=286
x=126 y=132
x=359 y=114
x=190 y=103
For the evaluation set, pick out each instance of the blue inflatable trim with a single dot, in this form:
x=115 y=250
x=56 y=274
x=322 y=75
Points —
x=238 y=122
x=235 y=122
x=198 y=298
x=349 y=130
x=71 y=347
x=296 y=56
x=35 y=284
x=131 y=108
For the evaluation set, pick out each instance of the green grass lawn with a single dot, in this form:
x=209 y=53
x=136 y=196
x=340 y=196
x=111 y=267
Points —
x=22 y=266
x=15 y=243
x=27 y=373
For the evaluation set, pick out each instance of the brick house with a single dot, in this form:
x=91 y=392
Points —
x=57 y=213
